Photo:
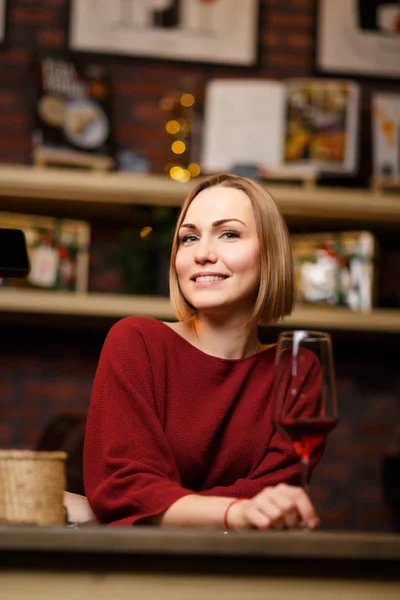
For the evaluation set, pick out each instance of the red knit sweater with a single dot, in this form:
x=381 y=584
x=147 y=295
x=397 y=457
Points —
x=167 y=420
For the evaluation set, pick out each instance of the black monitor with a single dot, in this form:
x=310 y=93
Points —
x=14 y=260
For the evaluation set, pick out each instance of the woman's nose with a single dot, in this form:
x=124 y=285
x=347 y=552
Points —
x=205 y=254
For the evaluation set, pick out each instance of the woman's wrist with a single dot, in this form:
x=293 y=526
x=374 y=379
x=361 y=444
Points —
x=196 y=510
x=232 y=514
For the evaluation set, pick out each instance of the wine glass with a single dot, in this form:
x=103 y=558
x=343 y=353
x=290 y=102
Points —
x=304 y=393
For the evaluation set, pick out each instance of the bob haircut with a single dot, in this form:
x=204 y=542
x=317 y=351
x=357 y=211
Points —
x=276 y=293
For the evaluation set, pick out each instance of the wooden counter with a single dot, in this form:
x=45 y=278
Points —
x=148 y=563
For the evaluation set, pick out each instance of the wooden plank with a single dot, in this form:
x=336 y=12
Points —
x=63 y=584
x=378 y=320
x=122 y=189
x=147 y=540
x=87 y=305
x=79 y=186
x=117 y=306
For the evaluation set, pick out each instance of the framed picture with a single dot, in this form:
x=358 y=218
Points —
x=3 y=21
x=358 y=37
x=386 y=137
x=335 y=269
x=321 y=124
x=205 y=31
x=297 y=125
x=58 y=252
x=72 y=114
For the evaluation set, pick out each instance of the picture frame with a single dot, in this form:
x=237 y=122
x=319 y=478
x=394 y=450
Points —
x=336 y=269
x=72 y=114
x=386 y=138
x=3 y=21
x=297 y=126
x=58 y=252
x=213 y=32
x=358 y=38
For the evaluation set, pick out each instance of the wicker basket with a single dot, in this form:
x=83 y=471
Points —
x=31 y=487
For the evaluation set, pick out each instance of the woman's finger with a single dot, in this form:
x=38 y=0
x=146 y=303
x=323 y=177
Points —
x=290 y=514
x=257 y=518
x=271 y=510
x=303 y=505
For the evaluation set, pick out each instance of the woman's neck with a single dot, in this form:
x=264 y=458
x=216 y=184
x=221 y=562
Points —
x=232 y=340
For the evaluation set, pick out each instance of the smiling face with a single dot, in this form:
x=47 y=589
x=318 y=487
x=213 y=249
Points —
x=218 y=257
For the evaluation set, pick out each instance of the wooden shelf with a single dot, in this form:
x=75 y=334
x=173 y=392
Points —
x=30 y=301
x=378 y=320
x=117 y=306
x=24 y=187
x=117 y=193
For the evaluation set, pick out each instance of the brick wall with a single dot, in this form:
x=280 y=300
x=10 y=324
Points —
x=286 y=50
x=48 y=367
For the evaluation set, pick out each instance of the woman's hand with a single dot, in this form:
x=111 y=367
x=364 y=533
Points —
x=78 y=509
x=277 y=507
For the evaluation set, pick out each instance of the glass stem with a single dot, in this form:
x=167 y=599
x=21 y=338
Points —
x=304 y=462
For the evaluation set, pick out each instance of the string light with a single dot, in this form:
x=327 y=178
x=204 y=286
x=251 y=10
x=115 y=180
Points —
x=187 y=100
x=180 y=125
x=167 y=103
x=145 y=231
x=178 y=147
x=176 y=173
x=168 y=167
x=185 y=126
x=173 y=127
x=185 y=176
x=194 y=169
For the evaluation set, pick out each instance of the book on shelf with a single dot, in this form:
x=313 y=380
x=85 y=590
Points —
x=386 y=136
x=72 y=114
x=298 y=125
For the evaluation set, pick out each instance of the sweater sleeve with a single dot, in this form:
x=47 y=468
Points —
x=129 y=471
x=281 y=464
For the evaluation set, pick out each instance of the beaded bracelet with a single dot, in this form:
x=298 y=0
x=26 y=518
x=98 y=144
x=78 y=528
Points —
x=226 y=525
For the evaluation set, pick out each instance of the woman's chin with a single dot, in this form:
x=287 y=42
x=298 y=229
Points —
x=225 y=310
x=209 y=308
x=221 y=310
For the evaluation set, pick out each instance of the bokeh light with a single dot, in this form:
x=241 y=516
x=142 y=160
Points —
x=194 y=169
x=187 y=100
x=176 y=173
x=167 y=103
x=145 y=231
x=185 y=125
x=178 y=147
x=185 y=176
x=168 y=167
x=173 y=127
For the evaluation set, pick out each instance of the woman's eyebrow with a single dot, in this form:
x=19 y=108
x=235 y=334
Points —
x=215 y=224
x=188 y=226
x=223 y=221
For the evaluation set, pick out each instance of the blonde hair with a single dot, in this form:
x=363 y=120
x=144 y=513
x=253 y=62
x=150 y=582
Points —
x=276 y=293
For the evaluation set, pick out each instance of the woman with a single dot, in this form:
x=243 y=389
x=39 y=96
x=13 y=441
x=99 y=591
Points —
x=179 y=430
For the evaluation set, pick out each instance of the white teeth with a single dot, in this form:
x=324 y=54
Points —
x=210 y=278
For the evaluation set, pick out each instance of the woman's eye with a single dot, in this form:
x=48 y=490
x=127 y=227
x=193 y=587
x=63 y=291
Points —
x=231 y=235
x=188 y=238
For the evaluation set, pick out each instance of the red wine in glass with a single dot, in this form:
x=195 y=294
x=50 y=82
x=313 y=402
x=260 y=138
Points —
x=305 y=434
x=304 y=393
